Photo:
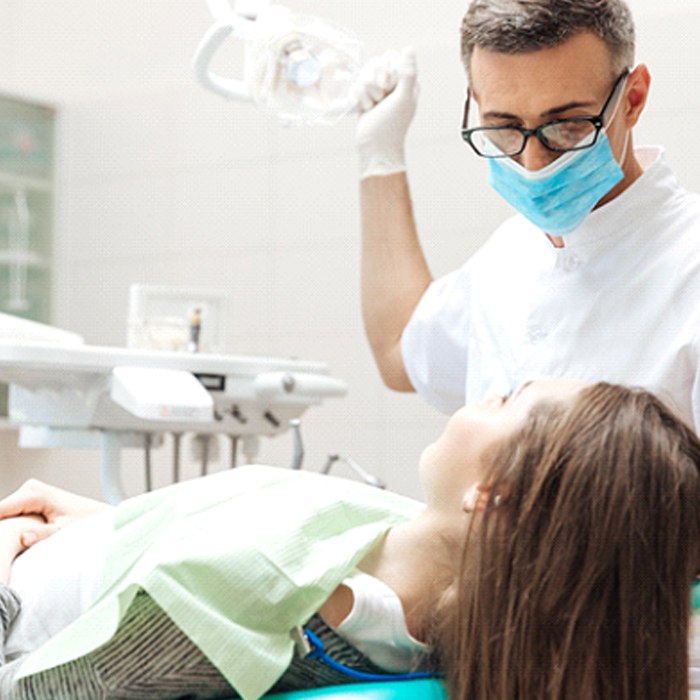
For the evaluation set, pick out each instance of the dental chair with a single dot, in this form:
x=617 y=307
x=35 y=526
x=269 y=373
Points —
x=426 y=689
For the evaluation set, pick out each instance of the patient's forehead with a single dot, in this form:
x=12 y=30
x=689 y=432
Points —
x=552 y=389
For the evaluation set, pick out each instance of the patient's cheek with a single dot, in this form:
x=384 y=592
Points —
x=338 y=606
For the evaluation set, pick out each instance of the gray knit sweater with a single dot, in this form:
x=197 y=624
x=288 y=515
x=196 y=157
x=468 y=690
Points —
x=149 y=658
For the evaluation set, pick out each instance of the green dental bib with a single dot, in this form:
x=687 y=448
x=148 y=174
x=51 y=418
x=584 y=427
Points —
x=237 y=560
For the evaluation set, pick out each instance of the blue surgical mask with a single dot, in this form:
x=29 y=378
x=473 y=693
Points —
x=558 y=197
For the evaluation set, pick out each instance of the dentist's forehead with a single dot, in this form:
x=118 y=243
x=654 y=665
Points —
x=535 y=81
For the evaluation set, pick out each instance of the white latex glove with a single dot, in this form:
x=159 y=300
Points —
x=387 y=95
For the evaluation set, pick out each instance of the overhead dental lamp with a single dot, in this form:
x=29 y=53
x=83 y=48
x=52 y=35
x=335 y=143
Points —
x=299 y=68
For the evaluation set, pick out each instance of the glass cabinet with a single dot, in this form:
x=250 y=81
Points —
x=26 y=207
x=27 y=141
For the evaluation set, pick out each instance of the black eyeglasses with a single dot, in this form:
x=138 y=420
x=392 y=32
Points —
x=559 y=135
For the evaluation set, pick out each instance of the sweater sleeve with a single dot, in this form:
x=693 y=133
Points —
x=148 y=657
x=10 y=606
x=9 y=609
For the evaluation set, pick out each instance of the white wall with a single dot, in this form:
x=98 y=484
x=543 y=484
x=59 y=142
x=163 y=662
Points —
x=164 y=183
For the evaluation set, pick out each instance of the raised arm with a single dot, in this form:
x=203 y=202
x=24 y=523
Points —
x=394 y=271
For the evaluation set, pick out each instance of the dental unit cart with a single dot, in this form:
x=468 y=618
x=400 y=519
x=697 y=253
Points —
x=67 y=394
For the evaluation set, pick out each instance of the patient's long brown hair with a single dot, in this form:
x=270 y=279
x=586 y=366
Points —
x=576 y=580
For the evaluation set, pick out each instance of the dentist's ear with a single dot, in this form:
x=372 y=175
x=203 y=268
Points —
x=637 y=92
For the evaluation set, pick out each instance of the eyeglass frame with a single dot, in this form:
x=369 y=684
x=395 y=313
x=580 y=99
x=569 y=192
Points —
x=596 y=120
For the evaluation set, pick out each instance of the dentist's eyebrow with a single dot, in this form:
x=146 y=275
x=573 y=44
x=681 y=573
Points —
x=501 y=115
x=565 y=108
x=553 y=112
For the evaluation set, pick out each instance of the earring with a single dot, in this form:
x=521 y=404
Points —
x=497 y=500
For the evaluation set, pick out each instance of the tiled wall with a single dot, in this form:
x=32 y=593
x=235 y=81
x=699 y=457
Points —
x=164 y=183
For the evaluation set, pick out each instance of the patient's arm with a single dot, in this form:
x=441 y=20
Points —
x=56 y=506
x=338 y=605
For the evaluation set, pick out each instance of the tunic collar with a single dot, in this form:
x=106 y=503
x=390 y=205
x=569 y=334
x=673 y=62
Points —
x=605 y=227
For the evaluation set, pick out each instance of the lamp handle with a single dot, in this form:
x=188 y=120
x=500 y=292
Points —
x=232 y=88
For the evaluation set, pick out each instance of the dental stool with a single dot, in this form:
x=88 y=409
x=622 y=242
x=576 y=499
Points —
x=425 y=689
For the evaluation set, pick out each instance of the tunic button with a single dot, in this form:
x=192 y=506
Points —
x=535 y=335
x=570 y=262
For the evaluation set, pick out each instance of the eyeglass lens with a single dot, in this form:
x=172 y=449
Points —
x=562 y=135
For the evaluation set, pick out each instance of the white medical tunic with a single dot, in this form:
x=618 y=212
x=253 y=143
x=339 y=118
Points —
x=620 y=302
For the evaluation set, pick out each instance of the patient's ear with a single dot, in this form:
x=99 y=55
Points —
x=477 y=498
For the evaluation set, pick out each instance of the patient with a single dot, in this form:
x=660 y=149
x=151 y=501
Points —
x=554 y=558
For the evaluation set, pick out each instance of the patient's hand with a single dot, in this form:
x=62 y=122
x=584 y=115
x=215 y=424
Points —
x=16 y=535
x=54 y=506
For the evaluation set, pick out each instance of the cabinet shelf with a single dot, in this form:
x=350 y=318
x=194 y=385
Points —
x=27 y=258
x=12 y=182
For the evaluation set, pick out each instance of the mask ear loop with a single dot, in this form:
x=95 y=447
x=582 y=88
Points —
x=624 y=148
x=618 y=102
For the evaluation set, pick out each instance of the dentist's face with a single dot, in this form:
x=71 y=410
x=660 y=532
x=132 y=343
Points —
x=451 y=465
x=530 y=89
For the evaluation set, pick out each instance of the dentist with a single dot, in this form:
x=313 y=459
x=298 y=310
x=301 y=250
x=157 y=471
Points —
x=597 y=276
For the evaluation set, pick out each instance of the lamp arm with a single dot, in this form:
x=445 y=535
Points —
x=232 y=88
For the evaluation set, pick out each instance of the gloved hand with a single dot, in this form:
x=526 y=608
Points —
x=387 y=95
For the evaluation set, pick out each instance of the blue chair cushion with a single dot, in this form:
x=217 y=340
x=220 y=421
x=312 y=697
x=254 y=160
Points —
x=429 y=689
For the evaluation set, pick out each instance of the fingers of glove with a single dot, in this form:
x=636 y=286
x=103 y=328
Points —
x=368 y=91
x=377 y=79
x=387 y=73
x=407 y=69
